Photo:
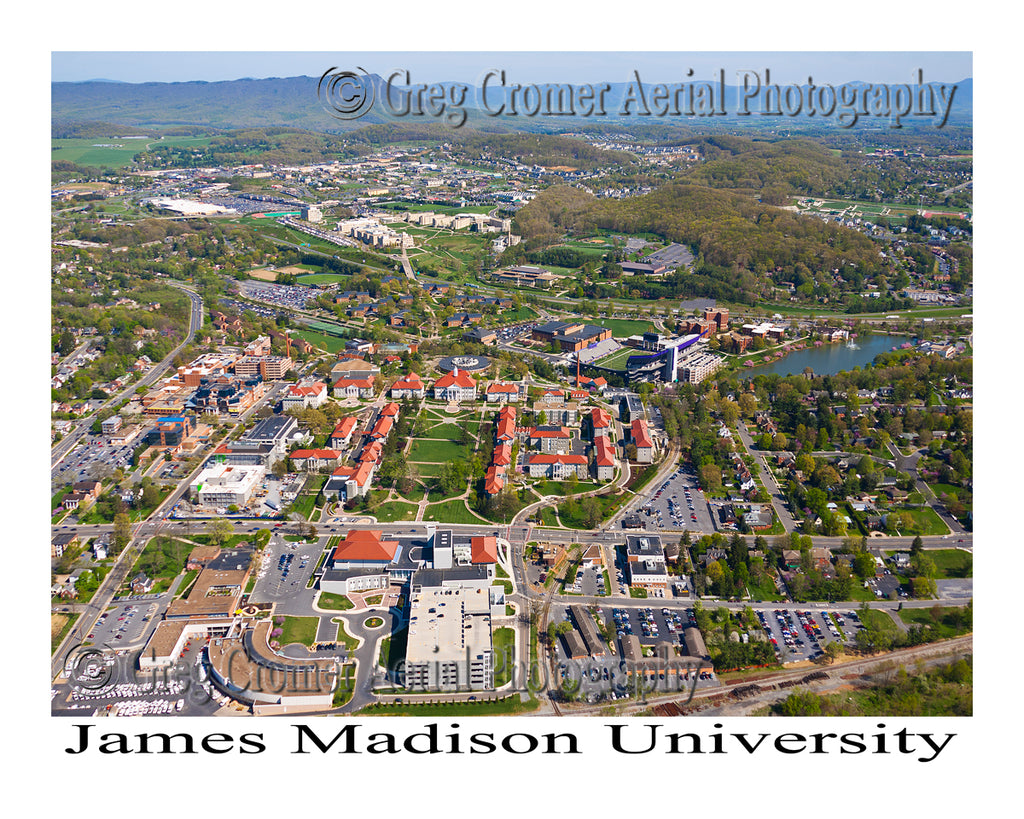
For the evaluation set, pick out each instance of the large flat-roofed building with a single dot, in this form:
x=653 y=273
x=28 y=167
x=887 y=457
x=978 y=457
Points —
x=449 y=642
x=645 y=560
x=279 y=431
x=275 y=367
x=570 y=336
x=248 y=365
x=525 y=276
x=224 y=484
x=564 y=413
x=215 y=594
x=239 y=453
x=695 y=368
x=170 y=430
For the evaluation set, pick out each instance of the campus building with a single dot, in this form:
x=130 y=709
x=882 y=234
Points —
x=449 y=641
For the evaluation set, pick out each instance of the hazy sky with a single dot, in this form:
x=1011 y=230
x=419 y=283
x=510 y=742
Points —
x=524 y=67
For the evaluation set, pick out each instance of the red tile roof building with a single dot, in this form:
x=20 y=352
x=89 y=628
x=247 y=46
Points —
x=502 y=391
x=642 y=439
x=409 y=386
x=601 y=421
x=455 y=386
x=342 y=433
x=557 y=466
x=354 y=387
x=363 y=546
x=485 y=550
x=605 y=458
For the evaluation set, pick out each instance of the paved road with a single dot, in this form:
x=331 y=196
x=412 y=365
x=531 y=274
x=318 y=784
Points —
x=68 y=442
x=767 y=480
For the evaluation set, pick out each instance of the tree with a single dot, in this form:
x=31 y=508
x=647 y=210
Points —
x=122 y=531
x=590 y=512
x=66 y=342
x=747 y=403
x=863 y=565
x=220 y=530
x=711 y=477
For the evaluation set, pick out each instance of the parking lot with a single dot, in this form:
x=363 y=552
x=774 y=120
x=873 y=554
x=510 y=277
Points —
x=284 y=570
x=678 y=504
x=128 y=623
x=650 y=624
x=801 y=634
x=589 y=581
x=507 y=334
x=94 y=457
x=183 y=690
x=606 y=676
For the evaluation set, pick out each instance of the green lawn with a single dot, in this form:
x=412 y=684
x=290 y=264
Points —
x=344 y=637
x=394 y=511
x=947 y=488
x=452 y=432
x=331 y=344
x=617 y=360
x=926 y=521
x=623 y=328
x=952 y=562
x=334 y=602
x=942 y=622
x=322 y=278
x=765 y=591
x=298 y=630
x=113 y=153
x=564 y=488
x=547 y=516
x=453 y=511
x=873 y=618
x=437 y=451
x=636 y=591
x=504 y=644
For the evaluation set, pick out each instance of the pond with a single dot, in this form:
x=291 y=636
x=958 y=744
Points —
x=829 y=359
